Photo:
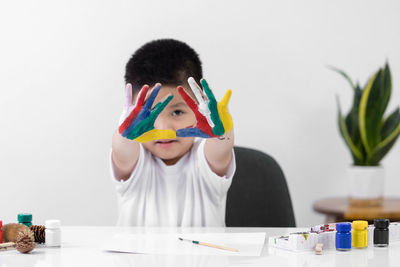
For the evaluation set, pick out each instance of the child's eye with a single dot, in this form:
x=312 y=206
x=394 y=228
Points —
x=177 y=112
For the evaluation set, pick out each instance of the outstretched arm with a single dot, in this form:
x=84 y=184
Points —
x=218 y=152
x=136 y=125
x=213 y=122
x=125 y=154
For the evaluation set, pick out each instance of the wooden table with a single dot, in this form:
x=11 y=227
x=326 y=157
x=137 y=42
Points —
x=339 y=209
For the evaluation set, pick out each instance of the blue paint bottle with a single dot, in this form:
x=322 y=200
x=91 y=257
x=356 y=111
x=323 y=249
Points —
x=343 y=236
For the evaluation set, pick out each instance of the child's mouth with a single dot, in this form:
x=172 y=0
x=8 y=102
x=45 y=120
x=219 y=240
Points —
x=165 y=142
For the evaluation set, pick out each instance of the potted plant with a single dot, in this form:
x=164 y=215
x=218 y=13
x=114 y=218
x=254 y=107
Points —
x=369 y=134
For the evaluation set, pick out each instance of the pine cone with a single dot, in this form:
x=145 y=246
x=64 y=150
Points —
x=25 y=241
x=11 y=230
x=39 y=233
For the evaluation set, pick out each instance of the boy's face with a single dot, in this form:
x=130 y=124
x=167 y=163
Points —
x=176 y=115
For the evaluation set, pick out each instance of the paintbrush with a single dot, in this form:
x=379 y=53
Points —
x=208 y=244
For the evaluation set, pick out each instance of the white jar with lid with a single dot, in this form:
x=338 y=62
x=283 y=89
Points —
x=53 y=233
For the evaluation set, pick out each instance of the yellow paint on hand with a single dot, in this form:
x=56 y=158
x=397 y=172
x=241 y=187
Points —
x=156 y=134
x=224 y=113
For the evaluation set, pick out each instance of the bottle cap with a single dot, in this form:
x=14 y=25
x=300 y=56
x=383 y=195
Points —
x=381 y=223
x=52 y=224
x=24 y=217
x=343 y=227
x=360 y=225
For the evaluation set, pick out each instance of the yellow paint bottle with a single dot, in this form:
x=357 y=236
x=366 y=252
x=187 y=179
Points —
x=360 y=234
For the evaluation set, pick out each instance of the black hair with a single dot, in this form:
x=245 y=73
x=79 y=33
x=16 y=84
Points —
x=167 y=61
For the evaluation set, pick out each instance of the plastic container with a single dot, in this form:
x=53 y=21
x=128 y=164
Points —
x=53 y=233
x=343 y=236
x=381 y=232
x=25 y=218
x=360 y=234
x=1 y=231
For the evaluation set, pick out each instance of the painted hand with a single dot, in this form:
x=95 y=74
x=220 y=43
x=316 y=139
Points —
x=213 y=119
x=137 y=121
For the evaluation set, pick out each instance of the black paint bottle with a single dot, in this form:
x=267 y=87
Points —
x=381 y=232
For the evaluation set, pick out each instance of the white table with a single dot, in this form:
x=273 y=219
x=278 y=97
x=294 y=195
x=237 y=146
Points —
x=81 y=247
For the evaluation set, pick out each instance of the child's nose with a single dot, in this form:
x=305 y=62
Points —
x=162 y=123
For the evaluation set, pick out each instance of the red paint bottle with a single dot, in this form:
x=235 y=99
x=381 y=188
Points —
x=1 y=232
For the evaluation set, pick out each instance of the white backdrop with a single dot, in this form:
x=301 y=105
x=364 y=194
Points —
x=61 y=80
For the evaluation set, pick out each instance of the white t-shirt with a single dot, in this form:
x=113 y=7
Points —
x=188 y=193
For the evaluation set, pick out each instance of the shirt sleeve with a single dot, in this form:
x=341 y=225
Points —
x=121 y=185
x=220 y=184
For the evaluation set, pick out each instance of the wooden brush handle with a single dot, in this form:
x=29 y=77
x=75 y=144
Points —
x=7 y=246
x=216 y=246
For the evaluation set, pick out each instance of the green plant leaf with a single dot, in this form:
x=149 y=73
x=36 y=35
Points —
x=390 y=131
x=390 y=124
x=373 y=104
x=347 y=77
x=355 y=152
x=352 y=118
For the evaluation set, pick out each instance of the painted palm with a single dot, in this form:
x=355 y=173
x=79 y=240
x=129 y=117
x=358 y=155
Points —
x=213 y=118
x=367 y=132
x=139 y=124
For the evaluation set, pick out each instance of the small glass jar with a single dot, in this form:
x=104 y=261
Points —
x=381 y=232
x=360 y=234
x=1 y=231
x=343 y=236
x=25 y=218
x=53 y=233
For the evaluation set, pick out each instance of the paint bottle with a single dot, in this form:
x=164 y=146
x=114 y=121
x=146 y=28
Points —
x=343 y=236
x=1 y=231
x=25 y=218
x=381 y=232
x=360 y=234
x=53 y=233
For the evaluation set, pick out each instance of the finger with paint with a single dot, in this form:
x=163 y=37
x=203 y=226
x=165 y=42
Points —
x=203 y=104
x=202 y=128
x=131 y=111
x=139 y=124
x=219 y=121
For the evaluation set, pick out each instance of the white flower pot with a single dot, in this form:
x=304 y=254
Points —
x=366 y=185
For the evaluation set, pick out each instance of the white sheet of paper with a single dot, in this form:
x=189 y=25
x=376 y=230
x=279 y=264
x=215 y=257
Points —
x=248 y=244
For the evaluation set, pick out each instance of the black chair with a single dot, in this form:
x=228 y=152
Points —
x=258 y=196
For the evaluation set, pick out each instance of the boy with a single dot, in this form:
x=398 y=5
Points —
x=163 y=176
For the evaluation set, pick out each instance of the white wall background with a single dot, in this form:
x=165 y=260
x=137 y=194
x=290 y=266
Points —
x=61 y=81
